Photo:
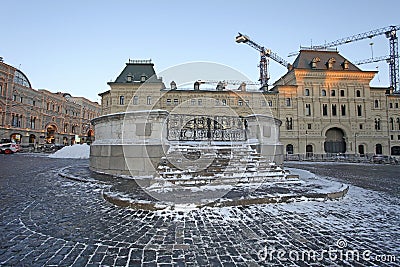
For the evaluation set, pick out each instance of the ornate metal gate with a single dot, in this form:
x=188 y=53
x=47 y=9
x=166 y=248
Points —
x=206 y=128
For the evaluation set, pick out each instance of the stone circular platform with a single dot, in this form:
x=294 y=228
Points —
x=125 y=192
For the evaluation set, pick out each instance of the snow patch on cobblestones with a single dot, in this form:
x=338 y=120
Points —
x=72 y=152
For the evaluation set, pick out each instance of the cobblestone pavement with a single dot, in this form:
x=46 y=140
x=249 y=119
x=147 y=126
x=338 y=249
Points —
x=47 y=220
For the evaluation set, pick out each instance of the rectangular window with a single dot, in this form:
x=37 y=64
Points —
x=398 y=137
x=240 y=102
x=309 y=126
x=391 y=137
x=33 y=120
x=308 y=109
x=361 y=126
x=390 y=105
x=168 y=101
x=247 y=102
x=200 y=102
x=342 y=93
x=136 y=100
x=193 y=102
x=333 y=93
x=270 y=103
x=224 y=102
x=121 y=100
x=1 y=89
x=148 y=100
x=263 y=103
x=396 y=105
x=359 y=110
x=33 y=103
x=324 y=110
x=176 y=102
x=14 y=98
x=21 y=99
x=343 y=109
x=334 y=110
x=288 y=102
x=289 y=124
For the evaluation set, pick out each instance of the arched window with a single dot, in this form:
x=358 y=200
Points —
x=289 y=124
x=323 y=92
x=358 y=93
x=377 y=123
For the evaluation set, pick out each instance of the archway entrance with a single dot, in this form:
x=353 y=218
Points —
x=334 y=141
x=16 y=137
x=32 y=139
x=289 y=149
x=361 y=150
x=378 y=149
x=309 y=151
x=395 y=150
x=51 y=131
x=90 y=136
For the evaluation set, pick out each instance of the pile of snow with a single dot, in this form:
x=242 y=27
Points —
x=73 y=152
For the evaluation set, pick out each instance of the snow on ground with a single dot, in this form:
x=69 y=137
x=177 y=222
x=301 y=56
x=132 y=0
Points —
x=74 y=151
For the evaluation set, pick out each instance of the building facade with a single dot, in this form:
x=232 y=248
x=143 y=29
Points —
x=326 y=104
x=29 y=116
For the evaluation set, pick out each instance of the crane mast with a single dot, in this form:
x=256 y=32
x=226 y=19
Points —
x=265 y=54
x=393 y=60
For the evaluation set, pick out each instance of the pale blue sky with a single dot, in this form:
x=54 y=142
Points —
x=78 y=46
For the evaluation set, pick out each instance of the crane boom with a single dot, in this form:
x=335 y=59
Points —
x=245 y=39
x=264 y=55
x=372 y=60
x=357 y=37
x=391 y=34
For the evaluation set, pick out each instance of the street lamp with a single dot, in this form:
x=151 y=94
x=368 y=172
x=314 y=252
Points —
x=355 y=144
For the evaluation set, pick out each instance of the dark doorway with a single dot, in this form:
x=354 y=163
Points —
x=289 y=149
x=309 y=151
x=395 y=150
x=32 y=139
x=361 y=150
x=378 y=149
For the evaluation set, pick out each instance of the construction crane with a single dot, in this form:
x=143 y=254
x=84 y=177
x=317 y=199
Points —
x=265 y=54
x=393 y=59
x=372 y=60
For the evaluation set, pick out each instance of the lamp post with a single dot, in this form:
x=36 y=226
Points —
x=355 y=144
x=306 y=145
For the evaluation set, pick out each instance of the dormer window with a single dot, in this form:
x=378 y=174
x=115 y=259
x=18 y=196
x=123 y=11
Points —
x=314 y=62
x=196 y=86
x=330 y=62
x=129 y=78
x=173 y=85
x=345 y=64
x=143 y=78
